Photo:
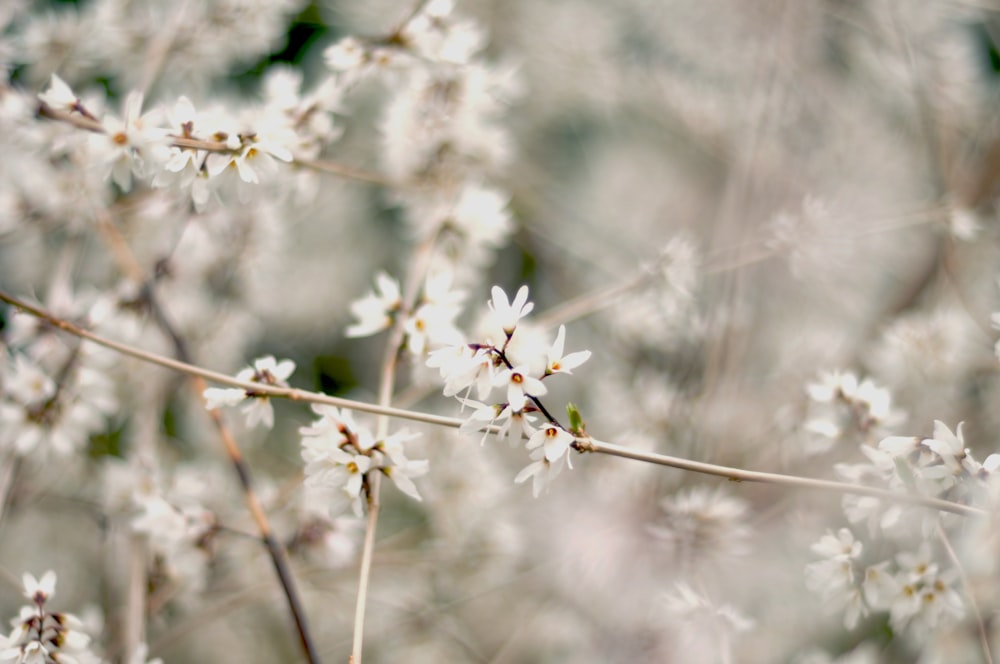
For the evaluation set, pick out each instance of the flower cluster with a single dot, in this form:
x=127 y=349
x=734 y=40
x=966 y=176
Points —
x=494 y=365
x=205 y=154
x=40 y=636
x=339 y=454
x=442 y=128
x=912 y=585
x=169 y=515
x=940 y=466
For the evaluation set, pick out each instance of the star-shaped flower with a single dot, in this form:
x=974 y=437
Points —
x=508 y=313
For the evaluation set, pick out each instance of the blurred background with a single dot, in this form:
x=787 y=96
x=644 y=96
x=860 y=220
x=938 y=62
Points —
x=790 y=189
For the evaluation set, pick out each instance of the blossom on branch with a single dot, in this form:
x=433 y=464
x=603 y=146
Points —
x=509 y=313
x=559 y=363
x=258 y=410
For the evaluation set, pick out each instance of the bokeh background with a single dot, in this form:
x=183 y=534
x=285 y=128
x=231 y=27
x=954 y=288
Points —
x=791 y=187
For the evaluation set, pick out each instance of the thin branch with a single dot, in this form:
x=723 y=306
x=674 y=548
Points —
x=982 y=633
x=373 y=482
x=387 y=382
x=741 y=475
x=9 y=465
x=581 y=444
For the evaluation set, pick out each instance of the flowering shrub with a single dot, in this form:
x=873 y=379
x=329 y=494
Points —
x=322 y=322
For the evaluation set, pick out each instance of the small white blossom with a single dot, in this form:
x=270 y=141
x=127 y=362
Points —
x=515 y=425
x=375 y=311
x=258 y=410
x=328 y=465
x=482 y=417
x=400 y=469
x=559 y=363
x=59 y=96
x=836 y=577
x=509 y=313
x=133 y=143
x=541 y=471
x=463 y=366
x=39 y=591
x=554 y=441
x=520 y=386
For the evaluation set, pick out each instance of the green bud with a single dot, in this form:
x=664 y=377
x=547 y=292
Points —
x=575 y=421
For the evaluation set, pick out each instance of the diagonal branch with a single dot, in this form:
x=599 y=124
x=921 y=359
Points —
x=582 y=444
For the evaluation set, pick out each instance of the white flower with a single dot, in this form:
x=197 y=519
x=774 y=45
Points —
x=133 y=142
x=40 y=590
x=520 y=386
x=841 y=546
x=541 y=471
x=559 y=363
x=433 y=321
x=879 y=586
x=508 y=313
x=481 y=418
x=332 y=421
x=327 y=465
x=924 y=597
x=59 y=96
x=345 y=55
x=835 y=577
x=481 y=214
x=40 y=636
x=400 y=469
x=265 y=370
x=217 y=397
x=375 y=310
x=27 y=384
x=463 y=366
x=555 y=441
x=515 y=425
x=949 y=446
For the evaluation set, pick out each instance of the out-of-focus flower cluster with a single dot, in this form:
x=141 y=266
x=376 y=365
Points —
x=339 y=454
x=918 y=585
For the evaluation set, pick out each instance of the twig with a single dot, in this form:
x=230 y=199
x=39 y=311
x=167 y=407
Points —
x=9 y=465
x=387 y=382
x=373 y=482
x=741 y=475
x=984 y=639
x=276 y=552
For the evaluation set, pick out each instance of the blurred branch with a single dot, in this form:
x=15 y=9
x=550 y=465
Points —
x=276 y=552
